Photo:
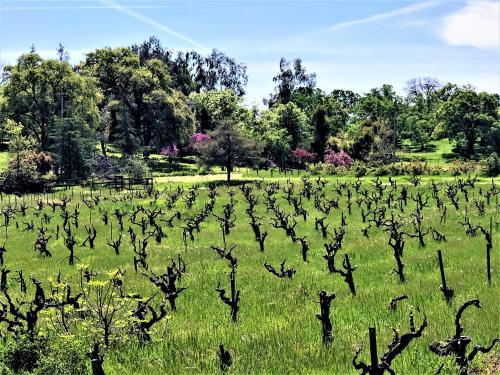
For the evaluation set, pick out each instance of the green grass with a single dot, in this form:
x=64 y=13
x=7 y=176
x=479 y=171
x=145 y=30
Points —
x=4 y=160
x=438 y=153
x=277 y=331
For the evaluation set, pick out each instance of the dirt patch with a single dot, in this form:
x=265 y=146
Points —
x=491 y=366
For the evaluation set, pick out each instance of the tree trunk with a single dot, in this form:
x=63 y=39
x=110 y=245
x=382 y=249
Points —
x=103 y=148
x=471 y=140
x=229 y=161
x=43 y=139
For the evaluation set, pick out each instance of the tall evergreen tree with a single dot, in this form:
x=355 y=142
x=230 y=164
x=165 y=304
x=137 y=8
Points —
x=321 y=132
x=228 y=148
x=73 y=148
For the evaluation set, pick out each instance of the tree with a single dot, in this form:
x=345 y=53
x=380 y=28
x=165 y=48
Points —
x=301 y=156
x=380 y=105
x=468 y=117
x=220 y=72
x=280 y=129
x=309 y=100
x=340 y=107
x=213 y=107
x=25 y=166
x=73 y=148
x=172 y=119
x=416 y=117
x=39 y=92
x=192 y=72
x=62 y=53
x=328 y=114
x=321 y=132
x=263 y=127
x=140 y=98
x=227 y=148
x=18 y=143
x=347 y=98
x=422 y=92
x=372 y=141
x=416 y=127
x=294 y=121
x=289 y=80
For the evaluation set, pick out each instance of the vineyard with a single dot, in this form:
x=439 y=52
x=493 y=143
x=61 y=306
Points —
x=307 y=276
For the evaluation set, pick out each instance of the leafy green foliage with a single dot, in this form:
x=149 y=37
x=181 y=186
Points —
x=192 y=72
x=213 y=107
x=372 y=141
x=144 y=109
x=292 y=78
x=23 y=353
x=22 y=176
x=44 y=355
x=228 y=148
x=73 y=146
x=491 y=165
x=134 y=166
x=468 y=117
x=38 y=92
x=291 y=119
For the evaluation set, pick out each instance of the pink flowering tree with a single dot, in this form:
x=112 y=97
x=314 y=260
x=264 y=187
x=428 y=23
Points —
x=197 y=139
x=170 y=151
x=302 y=156
x=341 y=158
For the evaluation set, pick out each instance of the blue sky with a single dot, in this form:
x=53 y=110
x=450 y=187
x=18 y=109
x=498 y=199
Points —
x=349 y=44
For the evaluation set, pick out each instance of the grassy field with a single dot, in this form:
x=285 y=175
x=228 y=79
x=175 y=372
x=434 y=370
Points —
x=438 y=153
x=277 y=331
x=4 y=160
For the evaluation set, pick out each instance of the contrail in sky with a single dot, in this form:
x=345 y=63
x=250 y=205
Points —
x=64 y=7
x=375 y=17
x=138 y=16
x=128 y=10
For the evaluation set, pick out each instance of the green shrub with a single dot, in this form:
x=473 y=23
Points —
x=134 y=166
x=360 y=169
x=415 y=168
x=23 y=353
x=381 y=171
x=203 y=170
x=314 y=169
x=490 y=167
x=22 y=177
x=324 y=168
x=66 y=357
x=43 y=356
x=459 y=167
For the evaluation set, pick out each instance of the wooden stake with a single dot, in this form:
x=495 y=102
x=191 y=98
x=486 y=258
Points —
x=441 y=268
x=373 y=347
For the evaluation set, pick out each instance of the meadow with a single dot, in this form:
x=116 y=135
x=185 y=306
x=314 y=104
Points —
x=277 y=330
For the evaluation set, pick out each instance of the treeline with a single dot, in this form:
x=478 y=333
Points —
x=145 y=98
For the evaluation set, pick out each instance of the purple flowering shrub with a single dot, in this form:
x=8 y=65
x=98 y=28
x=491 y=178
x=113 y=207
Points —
x=198 y=138
x=170 y=151
x=341 y=158
x=302 y=156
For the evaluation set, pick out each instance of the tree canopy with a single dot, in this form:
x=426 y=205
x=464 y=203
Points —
x=469 y=117
x=228 y=147
x=146 y=97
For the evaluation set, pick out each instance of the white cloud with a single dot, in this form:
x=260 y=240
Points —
x=475 y=25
